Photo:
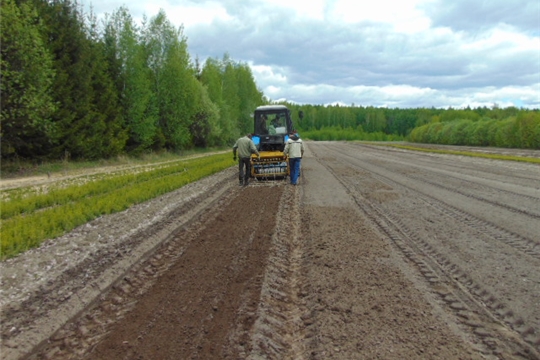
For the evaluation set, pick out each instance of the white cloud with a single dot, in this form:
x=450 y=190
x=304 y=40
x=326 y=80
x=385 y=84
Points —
x=404 y=16
x=313 y=9
x=268 y=75
x=403 y=53
x=205 y=13
x=406 y=96
x=505 y=37
x=513 y=95
x=187 y=13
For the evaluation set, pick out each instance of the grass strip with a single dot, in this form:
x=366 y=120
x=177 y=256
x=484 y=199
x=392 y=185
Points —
x=465 y=153
x=24 y=231
x=17 y=168
x=54 y=197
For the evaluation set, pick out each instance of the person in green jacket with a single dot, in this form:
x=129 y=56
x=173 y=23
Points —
x=245 y=148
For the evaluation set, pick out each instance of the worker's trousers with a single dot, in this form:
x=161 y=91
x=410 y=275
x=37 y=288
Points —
x=294 y=164
x=244 y=170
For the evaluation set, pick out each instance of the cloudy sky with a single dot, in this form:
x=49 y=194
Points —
x=394 y=53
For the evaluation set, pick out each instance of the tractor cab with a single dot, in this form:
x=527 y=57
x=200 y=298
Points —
x=272 y=125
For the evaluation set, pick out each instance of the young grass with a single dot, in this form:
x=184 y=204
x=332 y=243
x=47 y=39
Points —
x=27 y=221
x=18 y=167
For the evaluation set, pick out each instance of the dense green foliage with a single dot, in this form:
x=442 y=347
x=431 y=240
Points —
x=28 y=219
x=521 y=131
x=73 y=88
x=509 y=127
x=347 y=134
x=26 y=80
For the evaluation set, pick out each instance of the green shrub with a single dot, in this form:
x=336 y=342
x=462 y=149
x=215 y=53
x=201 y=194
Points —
x=527 y=128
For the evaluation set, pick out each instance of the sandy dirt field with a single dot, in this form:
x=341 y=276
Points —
x=378 y=253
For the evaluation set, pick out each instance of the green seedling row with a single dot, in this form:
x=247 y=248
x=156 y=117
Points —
x=20 y=193
x=28 y=229
x=59 y=196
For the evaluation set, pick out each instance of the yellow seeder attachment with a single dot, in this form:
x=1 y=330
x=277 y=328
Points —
x=270 y=165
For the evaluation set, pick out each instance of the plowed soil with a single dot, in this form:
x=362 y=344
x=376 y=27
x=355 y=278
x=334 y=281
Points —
x=378 y=253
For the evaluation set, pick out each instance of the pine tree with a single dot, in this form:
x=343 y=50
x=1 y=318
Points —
x=80 y=125
x=106 y=98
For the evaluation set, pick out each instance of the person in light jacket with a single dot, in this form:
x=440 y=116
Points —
x=294 y=150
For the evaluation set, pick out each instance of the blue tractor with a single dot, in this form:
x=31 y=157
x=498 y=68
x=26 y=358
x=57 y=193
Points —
x=272 y=125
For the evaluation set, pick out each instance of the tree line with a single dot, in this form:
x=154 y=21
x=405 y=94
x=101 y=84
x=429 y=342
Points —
x=481 y=126
x=75 y=87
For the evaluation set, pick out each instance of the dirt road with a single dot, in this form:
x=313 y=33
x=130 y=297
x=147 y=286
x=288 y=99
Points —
x=378 y=253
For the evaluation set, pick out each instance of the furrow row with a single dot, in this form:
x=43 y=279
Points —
x=85 y=330
x=481 y=198
x=280 y=329
x=499 y=331
x=521 y=243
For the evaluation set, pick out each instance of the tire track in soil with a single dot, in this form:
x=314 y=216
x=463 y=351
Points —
x=185 y=300
x=427 y=159
x=518 y=242
x=498 y=329
x=472 y=186
x=495 y=307
x=280 y=329
x=362 y=300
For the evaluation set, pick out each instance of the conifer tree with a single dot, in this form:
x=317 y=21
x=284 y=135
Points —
x=105 y=97
x=81 y=125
